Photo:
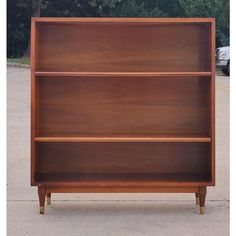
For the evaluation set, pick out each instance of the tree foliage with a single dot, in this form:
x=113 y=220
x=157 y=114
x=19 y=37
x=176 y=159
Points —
x=19 y=13
x=218 y=9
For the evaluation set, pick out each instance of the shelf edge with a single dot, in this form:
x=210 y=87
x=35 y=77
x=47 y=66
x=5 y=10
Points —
x=123 y=20
x=121 y=74
x=122 y=139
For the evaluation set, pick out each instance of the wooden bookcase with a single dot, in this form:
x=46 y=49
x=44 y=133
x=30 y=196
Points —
x=122 y=105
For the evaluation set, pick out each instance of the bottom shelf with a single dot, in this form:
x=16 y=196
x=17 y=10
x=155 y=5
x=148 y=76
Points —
x=123 y=179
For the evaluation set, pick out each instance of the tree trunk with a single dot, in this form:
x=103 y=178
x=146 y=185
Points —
x=36 y=9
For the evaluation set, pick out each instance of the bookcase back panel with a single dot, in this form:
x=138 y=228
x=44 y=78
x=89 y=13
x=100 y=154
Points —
x=72 y=106
x=107 y=158
x=123 y=47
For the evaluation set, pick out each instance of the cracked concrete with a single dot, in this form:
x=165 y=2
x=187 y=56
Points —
x=109 y=214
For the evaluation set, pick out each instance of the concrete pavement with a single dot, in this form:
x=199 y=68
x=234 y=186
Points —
x=109 y=214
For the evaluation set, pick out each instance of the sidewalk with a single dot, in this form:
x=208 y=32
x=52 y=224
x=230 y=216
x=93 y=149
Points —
x=109 y=214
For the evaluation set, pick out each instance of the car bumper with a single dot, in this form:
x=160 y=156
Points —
x=221 y=64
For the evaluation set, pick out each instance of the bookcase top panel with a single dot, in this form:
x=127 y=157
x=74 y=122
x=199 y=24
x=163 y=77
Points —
x=123 y=44
x=123 y=19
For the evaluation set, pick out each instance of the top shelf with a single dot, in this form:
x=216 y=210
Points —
x=119 y=74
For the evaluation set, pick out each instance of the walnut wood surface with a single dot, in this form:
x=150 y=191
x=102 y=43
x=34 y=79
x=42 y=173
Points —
x=124 y=180
x=54 y=74
x=185 y=138
x=123 y=47
x=94 y=189
x=122 y=105
x=127 y=20
x=87 y=106
x=124 y=157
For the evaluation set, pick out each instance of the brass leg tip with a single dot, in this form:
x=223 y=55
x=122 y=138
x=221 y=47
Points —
x=49 y=200
x=202 y=210
x=197 y=201
x=41 y=210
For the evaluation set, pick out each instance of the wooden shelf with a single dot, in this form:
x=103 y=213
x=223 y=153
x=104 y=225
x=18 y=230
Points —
x=119 y=74
x=122 y=105
x=125 y=138
x=122 y=179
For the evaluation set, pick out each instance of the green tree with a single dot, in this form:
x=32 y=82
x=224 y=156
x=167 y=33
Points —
x=78 y=8
x=19 y=13
x=136 y=8
x=168 y=8
x=18 y=24
x=218 y=9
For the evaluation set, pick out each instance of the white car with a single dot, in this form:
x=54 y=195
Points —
x=223 y=59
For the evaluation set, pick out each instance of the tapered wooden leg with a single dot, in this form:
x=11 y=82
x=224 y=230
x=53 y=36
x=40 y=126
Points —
x=49 y=198
x=202 y=198
x=197 y=198
x=42 y=194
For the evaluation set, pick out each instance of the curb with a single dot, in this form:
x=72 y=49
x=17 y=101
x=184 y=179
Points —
x=18 y=65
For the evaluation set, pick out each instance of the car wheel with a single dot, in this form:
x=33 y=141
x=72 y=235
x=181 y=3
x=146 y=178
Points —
x=228 y=68
x=224 y=71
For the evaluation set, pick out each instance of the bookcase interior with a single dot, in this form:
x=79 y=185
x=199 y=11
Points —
x=107 y=162
x=80 y=106
x=123 y=47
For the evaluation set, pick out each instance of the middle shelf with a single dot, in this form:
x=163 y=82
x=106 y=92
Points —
x=121 y=74
x=128 y=138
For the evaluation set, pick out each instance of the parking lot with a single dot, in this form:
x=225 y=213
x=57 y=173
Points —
x=109 y=214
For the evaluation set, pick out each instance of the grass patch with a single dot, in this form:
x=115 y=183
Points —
x=22 y=60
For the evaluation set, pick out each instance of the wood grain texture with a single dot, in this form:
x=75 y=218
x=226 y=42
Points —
x=123 y=47
x=160 y=163
x=54 y=74
x=181 y=138
x=124 y=180
x=156 y=189
x=33 y=103
x=87 y=106
x=212 y=102
x=122 y=105
x=126 y=20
